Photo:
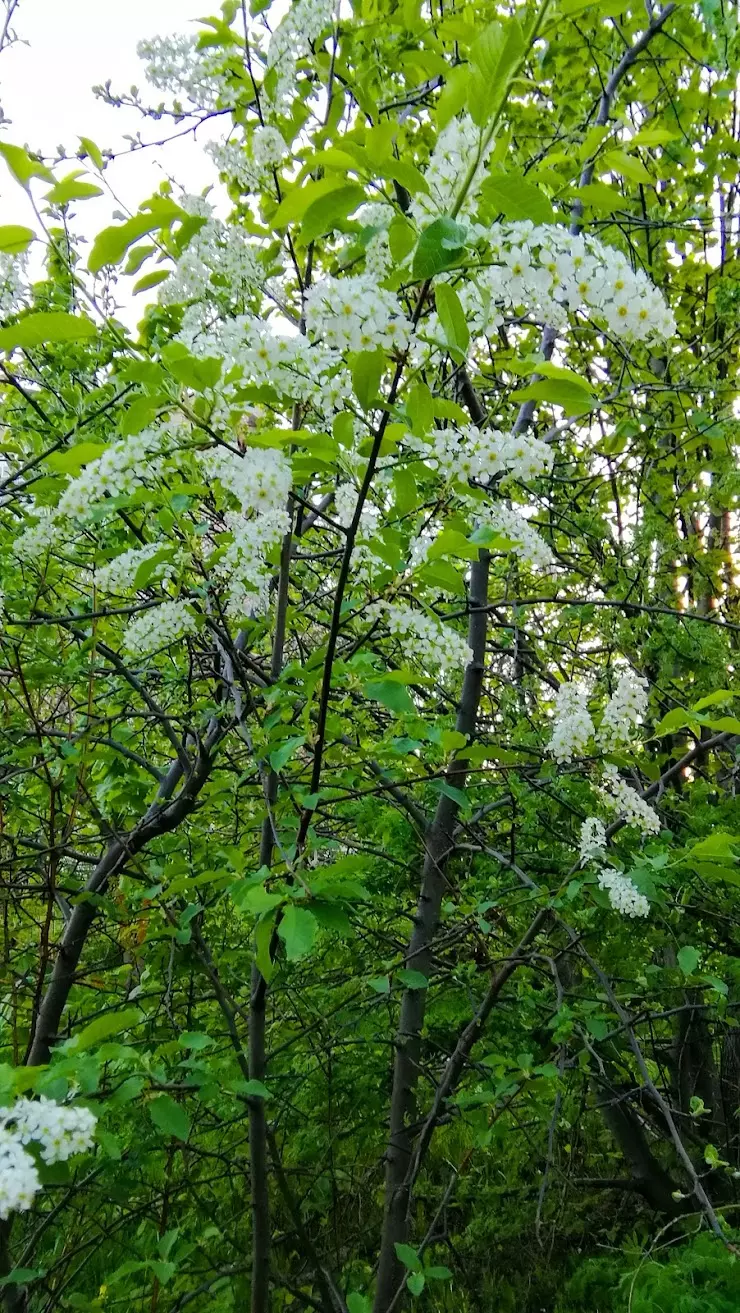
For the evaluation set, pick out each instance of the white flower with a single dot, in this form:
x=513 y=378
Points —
x=13 y=284
x=572 y=725
x=627 y=802
x=60 y=1131
x=175 y=64
x=623 y=895
x=453 y=155
x=118 y=575
x=625 y=710
x=157 y=628
x=121 y=469
x=593 y=839
x=426 y=640
x=525 y=541
x=354 y=314
x=292 y=39
x=19 y=1179
x=468 y=452
x=549 y=273
x=217 y=251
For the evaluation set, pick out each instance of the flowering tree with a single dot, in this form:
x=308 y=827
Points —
x=368 y=850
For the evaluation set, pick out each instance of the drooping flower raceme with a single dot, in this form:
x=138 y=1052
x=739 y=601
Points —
x=292 y=40
x=548 y=273
x=627 y=802
x=453 y=156
x=526 y=542
x=354 y=314
x=175 y=64
x=119 y=575
x=12 y=282
x=625 y=710
x=216 y=252
x=472 y=453
x=426 y=640
x=158 y=627
x=593 y=839
x=60 y=1132
x=623 y=895
x=572 y=724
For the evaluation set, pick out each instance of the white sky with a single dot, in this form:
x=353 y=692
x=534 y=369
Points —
x=46 y=90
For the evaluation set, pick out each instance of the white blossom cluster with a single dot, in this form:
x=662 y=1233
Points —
x=59 y=1131
x=625 y=709
x=294 y=367
x=216 y=252
x=572 y=724
x=452 y=157
x=260 y=479
x=122 y=468
x=174 y=64
x=118 y=575
x=251 y=165
x=292 y=40
x=593 y=839
x=354 y=314
x=426 y=640
x=526 y=542
x=159 y=627
x=12 y=282
x=243 y=565
x=378 y=259
x=627 y=802
x=345 y=504
x=547 y=272
x=623 y=895
x=480 y=454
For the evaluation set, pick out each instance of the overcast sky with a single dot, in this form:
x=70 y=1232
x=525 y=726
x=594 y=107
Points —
x=46 y=90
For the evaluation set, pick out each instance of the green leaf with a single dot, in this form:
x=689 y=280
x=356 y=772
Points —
x=89 y=147
x=401 y=238
x=367 y=370
x=150 y=280
x=72 y=189
x=453 y=96
x=47 y=326
x=195 y=1040
x=677 y=718
x=601 y=197
x=574 y=400
x=437 y=1273
x=618 y=161
x=357 y=1303
x=328 y=212
x=281 y=755
x=297 y=929
x=256 y=1089
x=113 y=1023
x=439 y=247
x=453 y=321
x=263 y=940
x=197 y=372
x=112 y=243
x=22 y=166
x=412 y=979
x=21 y=1275
x=409 y=1257
x=392 y=695
x=14 y=238
x=169 y=1117
x=713 y=699
x=517 y=198
x=493 y=56
x=380 y=985
x=688 y=959
x=75 y=458
x=297 y=202
x=416 y=1283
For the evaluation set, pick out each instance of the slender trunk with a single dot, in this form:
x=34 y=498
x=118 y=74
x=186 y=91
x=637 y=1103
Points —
x=258 y=1131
